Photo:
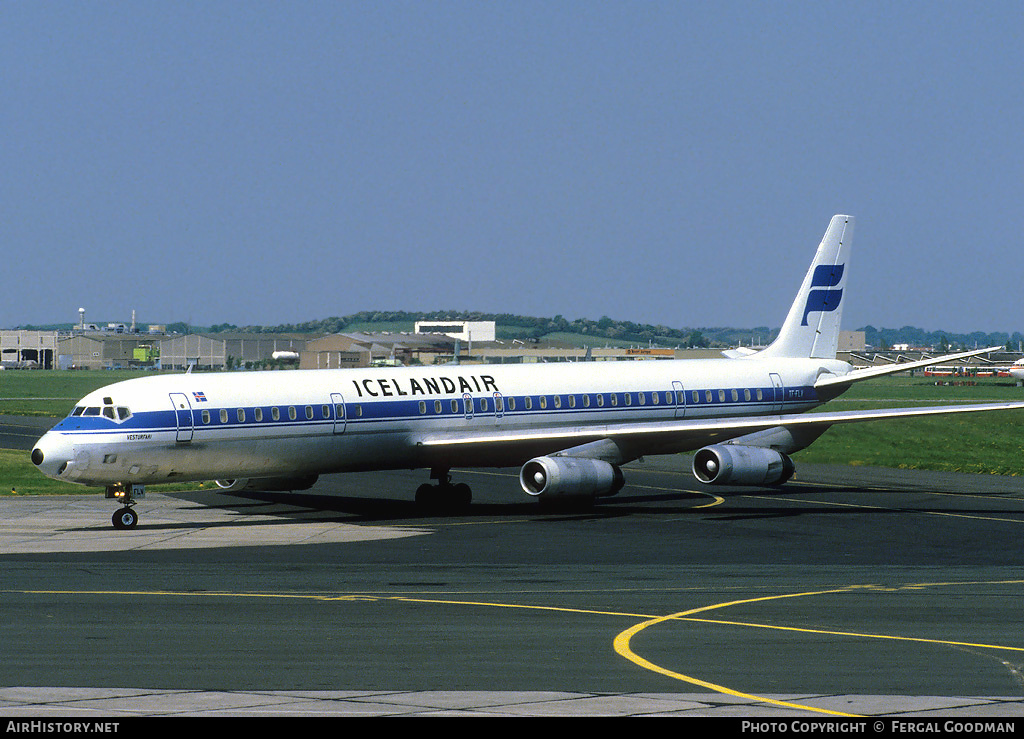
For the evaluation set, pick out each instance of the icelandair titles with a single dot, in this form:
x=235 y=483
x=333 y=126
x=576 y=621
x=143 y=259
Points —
x=393 y=387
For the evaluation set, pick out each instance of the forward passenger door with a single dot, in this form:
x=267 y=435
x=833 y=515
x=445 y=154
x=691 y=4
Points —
x=182 y=417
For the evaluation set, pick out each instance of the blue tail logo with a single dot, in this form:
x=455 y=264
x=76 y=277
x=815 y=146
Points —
x=824 y=301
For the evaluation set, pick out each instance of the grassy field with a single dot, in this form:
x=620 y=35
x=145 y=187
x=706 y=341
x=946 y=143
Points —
x=987 y=443
x=38 y=393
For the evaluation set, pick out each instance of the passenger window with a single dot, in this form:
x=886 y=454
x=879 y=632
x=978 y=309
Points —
x=696 y=397
x=572 y=401
x=558 y=401
x=746 y=394
x=735 y=396
x=586 y=401
x=543 y=402
x=529 y=403
x=275 y=413
x=326 y=411
x=258 y=414
x=760 y=396
x=600 y=401
x=721 y=396
x=707 y=395
x=223 y=415
x=455 y=406
x=241 y=415
x=309 y=412
x=437 y=406
x=655 y=398
x=206 y=416
x=291 y=412
x=423 y=407
x=511 y=404
x=499 y=404
x=615 y=399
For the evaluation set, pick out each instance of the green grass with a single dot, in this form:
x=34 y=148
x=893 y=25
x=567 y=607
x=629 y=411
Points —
x=989 y=443
x=53 y=393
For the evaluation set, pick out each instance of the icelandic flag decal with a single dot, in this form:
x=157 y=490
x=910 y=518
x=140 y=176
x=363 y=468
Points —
x=200 y=397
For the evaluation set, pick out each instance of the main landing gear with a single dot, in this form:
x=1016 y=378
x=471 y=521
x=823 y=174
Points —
x=444 y=495
x=126 y=517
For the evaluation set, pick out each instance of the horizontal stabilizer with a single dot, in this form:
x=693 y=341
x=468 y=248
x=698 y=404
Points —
x=840 y=381
x=739 y=352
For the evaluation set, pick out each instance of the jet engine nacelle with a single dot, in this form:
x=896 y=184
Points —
x=731 y=464
x=570 y=477
x=269 y=484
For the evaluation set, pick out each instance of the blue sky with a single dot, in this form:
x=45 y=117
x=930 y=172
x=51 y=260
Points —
x=667 y=163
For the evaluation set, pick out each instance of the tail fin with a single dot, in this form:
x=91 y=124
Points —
x=812 y=326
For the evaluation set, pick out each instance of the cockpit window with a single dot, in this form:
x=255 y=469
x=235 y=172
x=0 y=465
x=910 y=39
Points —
x=114 y=413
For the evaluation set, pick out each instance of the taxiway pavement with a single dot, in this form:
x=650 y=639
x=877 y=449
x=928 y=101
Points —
x=848 y=591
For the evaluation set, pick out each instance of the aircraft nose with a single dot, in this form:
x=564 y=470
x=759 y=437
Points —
x=51 y=454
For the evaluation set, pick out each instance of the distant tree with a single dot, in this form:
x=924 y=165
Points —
x=695 y=339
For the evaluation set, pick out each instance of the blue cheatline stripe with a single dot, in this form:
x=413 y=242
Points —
x=375 y=412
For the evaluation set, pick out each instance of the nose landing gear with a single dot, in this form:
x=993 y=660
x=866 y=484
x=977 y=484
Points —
x=126 y=517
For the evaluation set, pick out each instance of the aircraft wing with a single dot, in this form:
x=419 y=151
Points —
x=671 y=436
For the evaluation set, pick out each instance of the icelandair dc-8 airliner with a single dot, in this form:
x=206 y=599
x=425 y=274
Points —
x=569 y=426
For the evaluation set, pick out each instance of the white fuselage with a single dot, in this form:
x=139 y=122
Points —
x=187 y=427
